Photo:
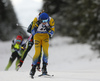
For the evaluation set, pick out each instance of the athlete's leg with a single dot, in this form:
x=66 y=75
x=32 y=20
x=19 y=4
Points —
x=29 y=46
x=39 y=60
x=45 y=45
x=37 y=42
x=17 y=61
x=11 y=60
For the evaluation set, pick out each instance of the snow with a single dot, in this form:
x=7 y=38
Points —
x=67 y=61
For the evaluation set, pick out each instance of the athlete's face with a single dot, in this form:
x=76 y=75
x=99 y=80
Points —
x=44 y=21
x=18 y=41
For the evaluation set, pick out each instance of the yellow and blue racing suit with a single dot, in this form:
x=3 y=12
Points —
x=41 y=37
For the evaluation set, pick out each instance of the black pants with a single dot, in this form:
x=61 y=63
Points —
x=14 y=56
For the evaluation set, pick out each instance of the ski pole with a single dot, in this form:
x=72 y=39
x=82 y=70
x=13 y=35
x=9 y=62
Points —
x=20 y=26
x=30 y=56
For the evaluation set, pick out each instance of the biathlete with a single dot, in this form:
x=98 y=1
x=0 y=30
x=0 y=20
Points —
x=42 y=29
x=17 y=48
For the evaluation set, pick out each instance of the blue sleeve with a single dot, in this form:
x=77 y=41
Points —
x=33 y=32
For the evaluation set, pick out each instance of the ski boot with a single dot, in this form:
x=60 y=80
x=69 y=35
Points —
x=44 y=69
x=33 y=70
x=38 y=66
x=44 y=72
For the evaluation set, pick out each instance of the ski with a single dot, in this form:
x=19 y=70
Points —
x=42 y=75
x=45 y=75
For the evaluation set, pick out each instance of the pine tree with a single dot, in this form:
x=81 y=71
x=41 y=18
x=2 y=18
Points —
x=8 y=21
x=76 y=18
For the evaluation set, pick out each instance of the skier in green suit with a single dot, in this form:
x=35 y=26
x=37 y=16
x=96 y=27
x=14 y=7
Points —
x=17 y=48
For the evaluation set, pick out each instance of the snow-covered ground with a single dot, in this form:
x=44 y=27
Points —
x=67 y=61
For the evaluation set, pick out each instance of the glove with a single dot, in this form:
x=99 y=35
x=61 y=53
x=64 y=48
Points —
x=20 y=63
x=51 y=34
x=22 y=48
x=47 y=28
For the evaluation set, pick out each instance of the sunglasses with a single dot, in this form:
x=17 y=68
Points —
x=18 y=40
x=44 y=21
